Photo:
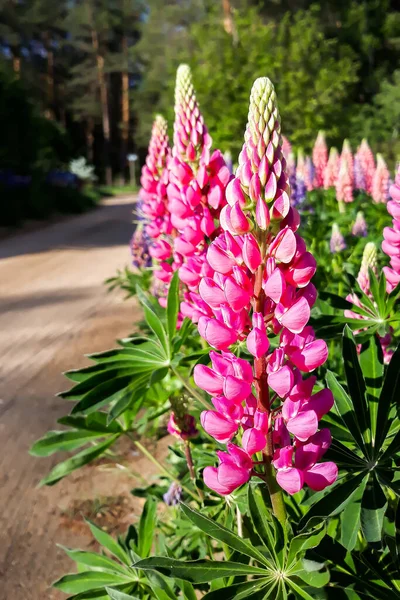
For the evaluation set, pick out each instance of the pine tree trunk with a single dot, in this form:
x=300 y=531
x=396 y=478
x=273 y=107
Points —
x=50 y=84
x=125 y=108
x=104 y=102
x=229 y=24
x=90 y=140
x=17 y=66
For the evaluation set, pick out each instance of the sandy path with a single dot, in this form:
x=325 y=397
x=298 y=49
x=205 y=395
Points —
x=53 y=309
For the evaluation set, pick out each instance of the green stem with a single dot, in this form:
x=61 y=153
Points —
x=192 y=472
x=164 y=470
x=275 y=492
x=191 y=390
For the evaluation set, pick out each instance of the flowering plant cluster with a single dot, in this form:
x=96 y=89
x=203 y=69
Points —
x=270 y=448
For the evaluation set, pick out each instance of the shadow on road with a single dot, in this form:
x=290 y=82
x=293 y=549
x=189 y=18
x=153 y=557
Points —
x=108 y=225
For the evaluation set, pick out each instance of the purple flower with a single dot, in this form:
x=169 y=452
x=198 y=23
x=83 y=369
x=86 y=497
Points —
x=359 y=176
x=174 y=494
x=337 y=243
x=360 y=226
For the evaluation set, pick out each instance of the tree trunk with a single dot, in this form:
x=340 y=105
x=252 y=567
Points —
x=103 y=100
x=17 y=66
x=90 y=140
x=125 y=108
x=229 y=24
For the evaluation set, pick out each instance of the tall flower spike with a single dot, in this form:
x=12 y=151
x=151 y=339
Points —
x=359 y=228
x=367 y=163
x=320 y=159
x=332 y=169
x=380 y=182
x=191 y=139
x=344 y=186
x=262 y=285
x=347 y=157
x=337 y=243
x=369 y=261
x=391 y=242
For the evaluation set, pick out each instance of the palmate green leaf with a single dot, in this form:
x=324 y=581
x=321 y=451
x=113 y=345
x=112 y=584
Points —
x=96 y=422
x=62 y=441
x=371 y=362
x=108 y=542
x=258 y=514
x=132 y=394
x=240 y=591
x=172 y=306
x=116 y=595
x=356 y=383
x=345 y=409
x=146 y=527
x=350 y=519
x=373 y=508
x=301 y=592
x=346 y=458
x=335 y=500
x=159 y=585
x=187 y=589
x=89 y=580
x=224 y=535
x=99 y=561
x=79 y=460
x=314 y=578
x=102 y=394
x=375 y=289
x=388 y=398
x=305 y=541
x=157 y=328
x=199 y=571
x=335 y=300
x=392 y=450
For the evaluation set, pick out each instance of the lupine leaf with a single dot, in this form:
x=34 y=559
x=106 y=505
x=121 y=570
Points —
x=116 y=595
x=356 y=383
x=172 y=306
x=345 y=409
x=75 y=462
x=338 y=496
x=91 y=559
x=224 y=535
x=146 y=527
x=240 y=590
x=389 y=397
x=157 y=327
x=371 y=361
x=62 y=441
x=200 y=571
x=88 y=580
x=373 y=508
x=106 y=540
x=350 y=519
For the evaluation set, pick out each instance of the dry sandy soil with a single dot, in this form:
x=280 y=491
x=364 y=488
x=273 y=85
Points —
x=54 y=308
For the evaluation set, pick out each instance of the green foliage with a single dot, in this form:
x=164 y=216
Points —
x=312 y=75
x=366 y=443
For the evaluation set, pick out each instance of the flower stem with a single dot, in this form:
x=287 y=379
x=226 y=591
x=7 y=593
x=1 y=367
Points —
x=192 y=472
x=192 y=391
x=164 y=470
x=263 y=399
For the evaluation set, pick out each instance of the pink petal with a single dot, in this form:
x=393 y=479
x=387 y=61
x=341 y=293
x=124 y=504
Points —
x=303 y=425
x=281 y=381
x=218 y=426
x=236 y=389
x=321 y=476
x=275 y=285
x=291 y=480
x=253 y=441
x=206 y=379
x=312 y=356
x=297 y=317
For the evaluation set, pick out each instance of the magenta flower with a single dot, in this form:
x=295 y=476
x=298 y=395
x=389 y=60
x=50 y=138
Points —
x=347 y=158
x=380 y=181
x=261 y=284
x=196 y=191
x=286 y=147
x=320 y=159
x=391 y=242
x=183 y=428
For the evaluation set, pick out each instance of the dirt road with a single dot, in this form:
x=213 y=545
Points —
x=53 y=309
